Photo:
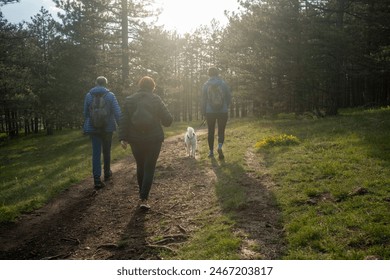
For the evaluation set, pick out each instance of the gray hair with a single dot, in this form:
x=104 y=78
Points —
x=101 y=81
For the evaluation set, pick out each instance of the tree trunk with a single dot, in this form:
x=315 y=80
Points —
x=336 y=89
x=125 y=45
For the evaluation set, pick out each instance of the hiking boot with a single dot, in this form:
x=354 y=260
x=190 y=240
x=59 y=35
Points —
x=220 y=154
x=211 y=154
x=98 y=184
x=144 y=204
x=108 y=176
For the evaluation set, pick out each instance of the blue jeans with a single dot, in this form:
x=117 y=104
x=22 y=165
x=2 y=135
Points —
x=101 y=142
x=212 y=118
x=146 y=155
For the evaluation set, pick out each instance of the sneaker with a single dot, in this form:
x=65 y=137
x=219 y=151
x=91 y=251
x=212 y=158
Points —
x=211 y=155
x=99 y=184
x=144 y=205
x=220 y=154
x=108 y=176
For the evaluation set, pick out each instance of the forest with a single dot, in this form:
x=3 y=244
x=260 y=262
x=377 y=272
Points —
x=279 y=57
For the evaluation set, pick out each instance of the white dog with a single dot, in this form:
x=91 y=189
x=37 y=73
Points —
x=190 y=141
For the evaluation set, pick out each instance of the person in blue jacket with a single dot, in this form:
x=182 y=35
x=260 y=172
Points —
x=213 y=114
x=101 y=138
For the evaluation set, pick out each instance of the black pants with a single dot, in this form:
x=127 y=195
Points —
x=212 y=119
x=146 y=155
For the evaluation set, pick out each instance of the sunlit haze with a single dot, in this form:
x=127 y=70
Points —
x=186 y=16
x=180 y=15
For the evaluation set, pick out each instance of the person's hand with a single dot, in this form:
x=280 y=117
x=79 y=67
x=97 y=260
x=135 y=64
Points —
x=124 y=144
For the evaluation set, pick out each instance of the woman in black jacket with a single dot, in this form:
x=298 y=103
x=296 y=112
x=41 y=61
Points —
x=143 y=115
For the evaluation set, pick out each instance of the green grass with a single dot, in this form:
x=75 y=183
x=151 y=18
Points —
x=325 y=215
x=213 y=241
x=332 y=185
x=36 y=168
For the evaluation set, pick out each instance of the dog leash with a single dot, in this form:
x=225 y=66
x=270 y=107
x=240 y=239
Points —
x=202 y=124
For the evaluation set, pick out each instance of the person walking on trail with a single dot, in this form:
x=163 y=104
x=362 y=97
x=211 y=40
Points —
x=102 y=114
x=144 y=114
x=216 y=99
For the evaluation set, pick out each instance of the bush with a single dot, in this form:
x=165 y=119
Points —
x=279 y=140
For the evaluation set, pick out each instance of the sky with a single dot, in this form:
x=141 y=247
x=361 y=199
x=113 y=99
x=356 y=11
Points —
x=180 y=15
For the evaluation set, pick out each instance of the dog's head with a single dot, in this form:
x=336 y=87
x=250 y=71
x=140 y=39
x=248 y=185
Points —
x=190 y=132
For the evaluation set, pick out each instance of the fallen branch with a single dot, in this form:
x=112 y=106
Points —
x=173 y=206
x=163 y=214
x=108 y=246
x=182 y=230
x=171 y=239
x=56 y=257
x=71 y=239
x=161 y=247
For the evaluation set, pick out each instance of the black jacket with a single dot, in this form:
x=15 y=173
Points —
x=156 y=106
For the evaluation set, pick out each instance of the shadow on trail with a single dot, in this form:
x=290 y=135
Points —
x=133 y=244
x=247 y=198
x=52 y=226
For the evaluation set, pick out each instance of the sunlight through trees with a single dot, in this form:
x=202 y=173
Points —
x=278 y=57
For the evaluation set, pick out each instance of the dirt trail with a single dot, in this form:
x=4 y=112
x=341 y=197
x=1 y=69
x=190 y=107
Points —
x=82 y=223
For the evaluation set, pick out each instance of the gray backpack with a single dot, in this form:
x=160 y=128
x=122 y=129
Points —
x=99 y=111
x=142 y=118
x=215 y=97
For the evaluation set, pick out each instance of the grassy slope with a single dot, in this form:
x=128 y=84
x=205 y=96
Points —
x=36 y=168
x=332 y=187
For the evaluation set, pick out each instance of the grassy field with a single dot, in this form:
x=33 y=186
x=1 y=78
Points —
x=331 y=182
x=334 y=187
